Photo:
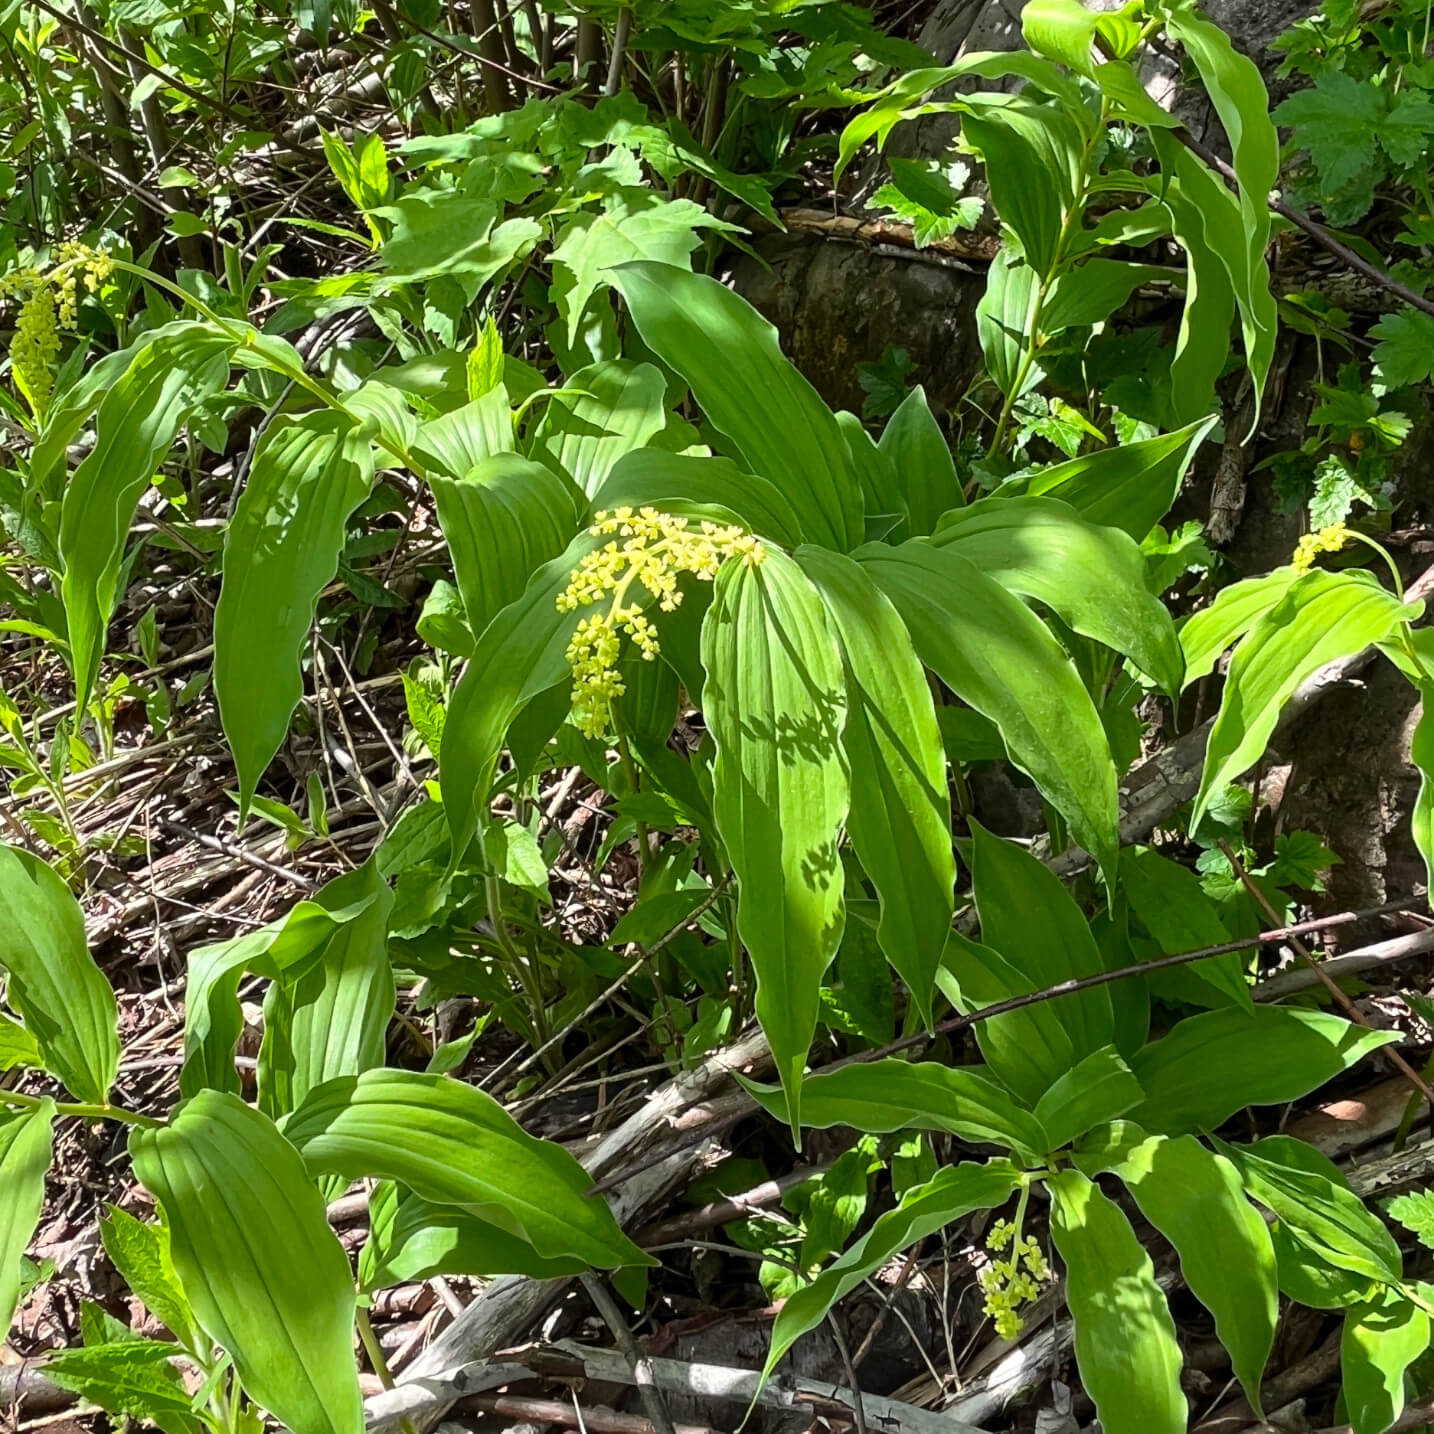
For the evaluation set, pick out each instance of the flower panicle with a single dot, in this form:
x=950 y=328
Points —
x=653 y=549
x=49 y=301
x=1327 y=540
x=1010 y=1283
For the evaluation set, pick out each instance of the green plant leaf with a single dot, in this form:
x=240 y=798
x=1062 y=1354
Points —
x=1003 y=321
x=454 y=1145
x=900 y=818
x=1092 y=292
x=521 y=653
x=1029 y=1048
x=1236 y=609
x=1125 y=1342
x=454 y=443
x=925 y=469
x=1421 y=752
x=1382 y=1337
x=714 y=489
x=1093 y=577
x=1062 y=29
x=620 y=411
x=1316 y=1206
x=281 y=550
x=129 y=1378
x=730 y=358
x=1131 y=487
x=948 y=1196
x=1216 y=1063
x=265 y=1276
x=1195 y=1199
x=140 y=1251
x=775 y=706
x=53 y=982
x=504 y=519
x=413 y=1239
x=1237 y=90
x=1100 y=1088
x=282 y=951
x=996 y=655
x=1323 y=616
x=333 y=1019
x=24 y=1163
x=1168 y=900
x=134 y=427
x=888 y=1095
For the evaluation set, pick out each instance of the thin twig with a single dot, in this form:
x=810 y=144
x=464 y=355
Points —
x=1339 y=997
x=637 y=1362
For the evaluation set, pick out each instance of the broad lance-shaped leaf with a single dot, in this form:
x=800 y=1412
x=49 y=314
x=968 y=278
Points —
x=1219 y=1062
x=265 y=1276
x=1033 y=921
x=900 y=819
x=1125 y=1343
x=1098 y=1089
x=520 y=654
x=714 y=489
x=454 y=1145
x=1421 y=751
x=749 y=391
x=136 y=422
x=888 y=1095
x=1131 y=487
x=951 y=1194
x=455 y=443
x=1195 y=1199
x=617 y=409
x=333 y=1019
x=53 y=982
x=1236 y=609
x=918 y=450
x=1382 y=1337
x=1237 y=90
x=1323 y=616
x=998 y=656
x=1310 y=1196
x=1093 y=577
x=775 y=706
x=282 y=951
x=413 y=1239
x=24 y=1163
x=281 y=549
x=503 y=519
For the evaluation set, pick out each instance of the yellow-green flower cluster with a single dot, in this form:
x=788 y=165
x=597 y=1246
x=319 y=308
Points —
x=1014 y=1281
x=647 y=547
x=49 y=301
x=1309 y=547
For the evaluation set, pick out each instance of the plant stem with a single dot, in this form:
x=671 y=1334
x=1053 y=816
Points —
x=1033 y=319
x=83 y=1111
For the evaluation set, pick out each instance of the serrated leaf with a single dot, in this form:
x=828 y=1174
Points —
x=1415 y=1212
x=775 y=705
x=68 y=1006
x=1405 y=351
x=140 y=1252
x=131 y=1379
x=265 y=1276
x=1125 y=1343
x=454 y=1145
x=282 y=548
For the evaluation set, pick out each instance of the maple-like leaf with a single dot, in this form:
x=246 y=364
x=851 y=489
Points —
x=1405 y=352
x=927 y=195
x=1416 y=1213
x=1335 y=123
